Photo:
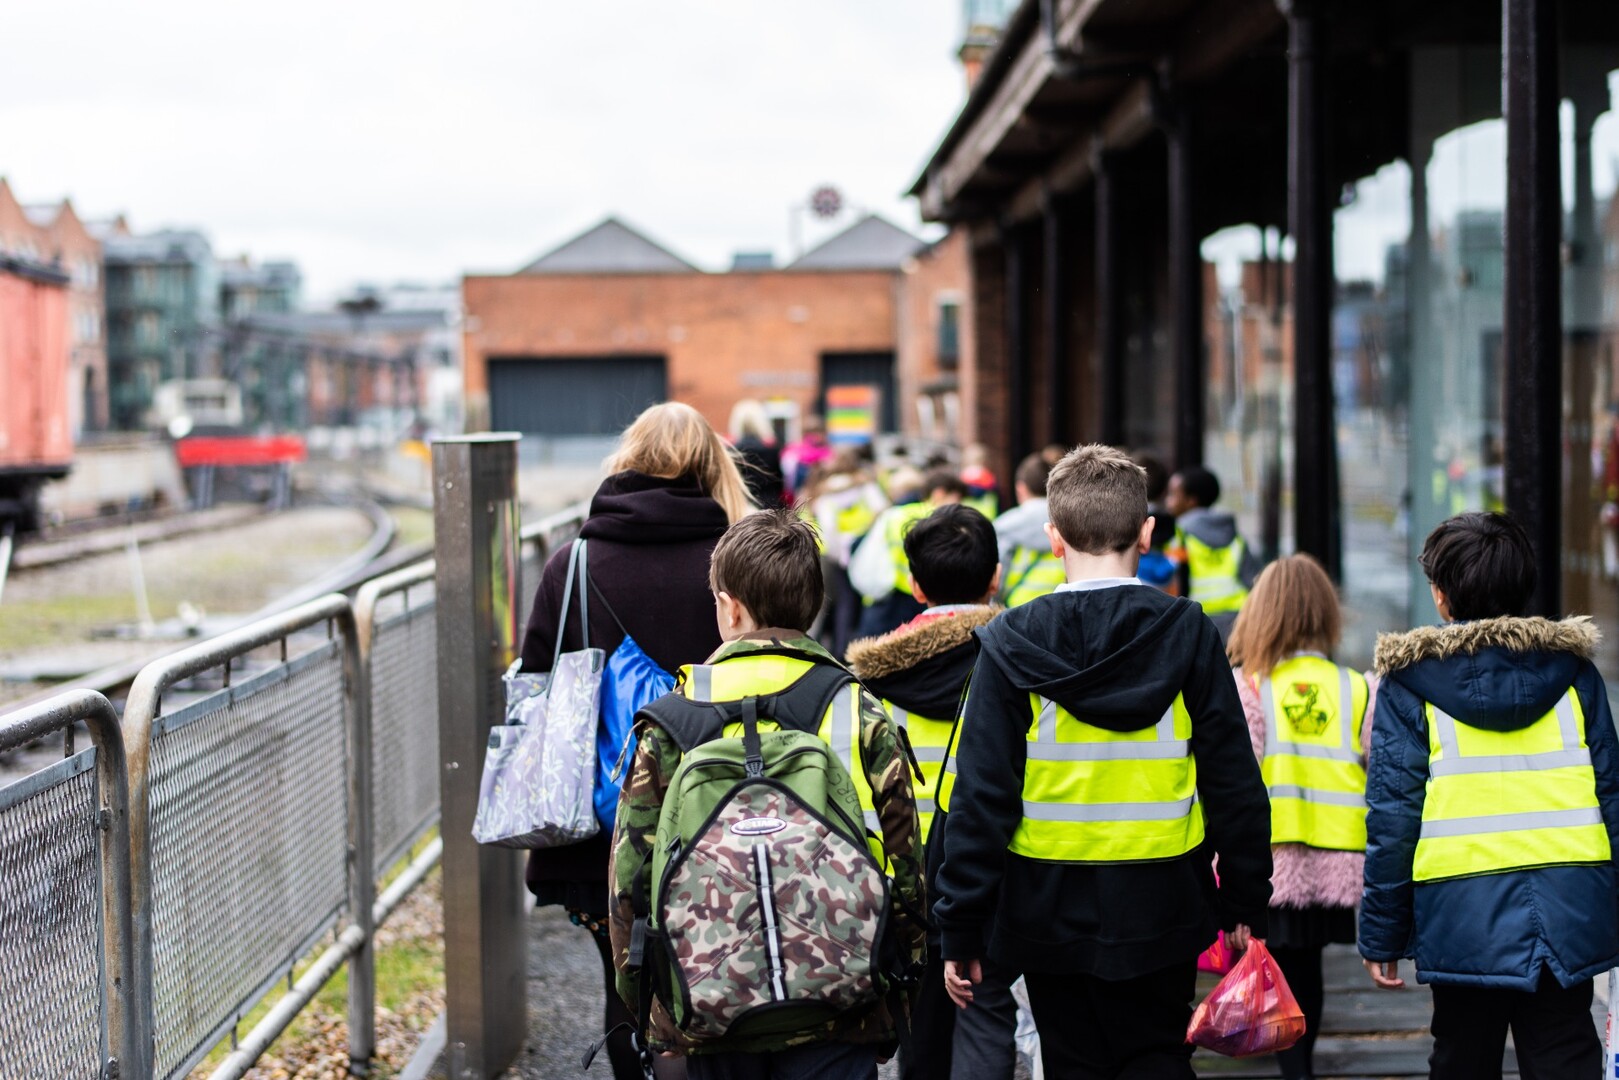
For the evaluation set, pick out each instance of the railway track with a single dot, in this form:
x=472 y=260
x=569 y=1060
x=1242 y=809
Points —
x=381 y=553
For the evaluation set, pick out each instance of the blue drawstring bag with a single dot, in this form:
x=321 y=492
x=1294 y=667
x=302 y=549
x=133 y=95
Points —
x=632 y=679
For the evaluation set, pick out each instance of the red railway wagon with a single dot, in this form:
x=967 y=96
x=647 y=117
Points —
x=36 y=442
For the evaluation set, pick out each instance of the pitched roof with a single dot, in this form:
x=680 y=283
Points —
x=611 y=247
x=872 y=243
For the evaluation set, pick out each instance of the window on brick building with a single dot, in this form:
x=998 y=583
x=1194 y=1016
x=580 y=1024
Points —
x=949 y=333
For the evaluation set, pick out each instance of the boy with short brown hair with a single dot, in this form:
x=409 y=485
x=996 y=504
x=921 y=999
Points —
x=1103 y=762
x=766 y=577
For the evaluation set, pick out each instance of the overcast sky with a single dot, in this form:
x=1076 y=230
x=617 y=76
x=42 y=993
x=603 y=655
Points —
x=409 y=140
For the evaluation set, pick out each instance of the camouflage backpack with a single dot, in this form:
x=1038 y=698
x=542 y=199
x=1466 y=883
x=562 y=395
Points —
x=769 y=915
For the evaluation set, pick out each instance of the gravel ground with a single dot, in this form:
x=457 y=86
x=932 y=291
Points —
x=55 y=622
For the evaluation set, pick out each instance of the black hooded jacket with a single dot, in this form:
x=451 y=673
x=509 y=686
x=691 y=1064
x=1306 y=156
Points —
x=1116 y=656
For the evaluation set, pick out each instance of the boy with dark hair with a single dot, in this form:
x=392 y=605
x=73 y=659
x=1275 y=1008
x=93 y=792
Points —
x=766 y=578
x=1493 y=814
x=1217 y=567
x=877 y=568
x=1030 y=569
x=1103 y=763
x=919 y=672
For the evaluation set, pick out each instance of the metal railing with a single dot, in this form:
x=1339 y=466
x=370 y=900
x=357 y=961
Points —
x=252 y=820
x=280 y=764
x=65 y=915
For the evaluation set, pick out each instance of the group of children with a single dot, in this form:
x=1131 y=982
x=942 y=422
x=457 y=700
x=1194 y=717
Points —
x=1037 y=770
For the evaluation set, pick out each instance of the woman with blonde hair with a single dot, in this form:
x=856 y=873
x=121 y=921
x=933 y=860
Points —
x=672 y=491
x=758 y=453
x=1310 y=721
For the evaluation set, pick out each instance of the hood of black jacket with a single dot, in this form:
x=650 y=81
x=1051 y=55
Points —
x=1497 y=674
x=634 y=508
x=922 y=667
x=1115 y=657
x=1216 y=528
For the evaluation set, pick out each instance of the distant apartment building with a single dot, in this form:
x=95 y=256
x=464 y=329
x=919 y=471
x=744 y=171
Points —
x=163 y=320
x=246 y=288
x=52 y=234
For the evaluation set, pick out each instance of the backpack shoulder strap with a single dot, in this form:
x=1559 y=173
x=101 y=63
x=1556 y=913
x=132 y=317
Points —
x=689 y=723
x=801 y=705
x=797 y=707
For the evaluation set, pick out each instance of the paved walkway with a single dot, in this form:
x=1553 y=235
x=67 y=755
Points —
x=1367 y=1033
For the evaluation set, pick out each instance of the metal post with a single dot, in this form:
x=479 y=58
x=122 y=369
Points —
x=1109 y=323
x=1056 y=222
x=1185 y=291
x=1315 y=437
x=362 y=880
x=1533 y=323
x=127 y=1010
x=475 y=543
x=1017 y=343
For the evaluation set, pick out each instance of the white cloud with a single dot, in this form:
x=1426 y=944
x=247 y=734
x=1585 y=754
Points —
x=381 y=140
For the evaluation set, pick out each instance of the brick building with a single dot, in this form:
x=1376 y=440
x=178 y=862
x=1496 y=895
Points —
x=575 y=343
x=53 y=234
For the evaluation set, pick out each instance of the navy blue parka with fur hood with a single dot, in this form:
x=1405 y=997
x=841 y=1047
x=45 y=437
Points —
x=1496 y=930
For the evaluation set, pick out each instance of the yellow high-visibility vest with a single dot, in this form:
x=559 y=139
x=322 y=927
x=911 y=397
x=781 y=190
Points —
x=1216 y=573
x=899 y=522
x=1094 y=795
x=930 y=741
x=1032 y=574
x=1314 y=712
x=1509 y=800
x=755 y=676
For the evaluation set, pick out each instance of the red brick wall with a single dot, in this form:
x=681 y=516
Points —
x=726 y=336
x=938 y=275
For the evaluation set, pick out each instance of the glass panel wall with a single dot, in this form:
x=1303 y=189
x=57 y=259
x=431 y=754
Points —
x=1590 y=168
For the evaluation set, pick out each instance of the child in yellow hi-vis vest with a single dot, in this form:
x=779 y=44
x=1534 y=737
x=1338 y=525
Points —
x=1493 y=814
x=1103 y=762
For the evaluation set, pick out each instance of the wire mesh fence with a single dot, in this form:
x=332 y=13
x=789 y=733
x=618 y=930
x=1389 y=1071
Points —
x=249 y=845
x=404 y=731
x=206 y=865
x=50 y=923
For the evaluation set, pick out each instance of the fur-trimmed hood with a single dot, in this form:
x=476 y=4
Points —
x=1501 y=674
x=921 y=667
x=1578 y=635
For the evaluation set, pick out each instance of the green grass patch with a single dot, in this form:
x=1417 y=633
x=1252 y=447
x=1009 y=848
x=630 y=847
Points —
x=409 y=966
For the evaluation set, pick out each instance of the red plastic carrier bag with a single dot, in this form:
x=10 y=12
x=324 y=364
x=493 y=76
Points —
x=1217 y=958
x=1250 y=1012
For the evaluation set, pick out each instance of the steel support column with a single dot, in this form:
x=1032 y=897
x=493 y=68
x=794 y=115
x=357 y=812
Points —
x=1185 y=290
x=1315 y=439
x=1019 y=437
x=475 y=544
x=1056 y=223
x=1109 y=320
x=1533 y=325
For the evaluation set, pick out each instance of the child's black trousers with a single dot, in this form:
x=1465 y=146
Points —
x=1552 y=1031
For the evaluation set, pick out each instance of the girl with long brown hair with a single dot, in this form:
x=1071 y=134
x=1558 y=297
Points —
x=1310 y=720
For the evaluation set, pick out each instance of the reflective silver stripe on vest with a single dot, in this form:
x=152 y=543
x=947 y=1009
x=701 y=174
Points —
x=1504 y=823
x=927 y=755
x=1150 y=811
x=873 y=822
x=702 y=683
x=899 y=716
x=1164 y=747
x=843 y=728
x=1326 y=798
x=1452 y=763
x=1348 y=748
x=1552 y=759
x=926 y=806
